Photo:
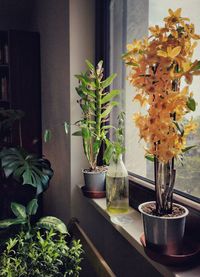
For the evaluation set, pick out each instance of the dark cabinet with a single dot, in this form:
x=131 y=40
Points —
x=20 y=84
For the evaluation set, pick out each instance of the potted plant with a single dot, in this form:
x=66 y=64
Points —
x=96 y=104
x=157 y=67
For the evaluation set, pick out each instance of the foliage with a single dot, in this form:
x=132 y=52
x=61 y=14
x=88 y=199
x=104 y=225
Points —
x=115 y=148
x=40 y=254
x=35 y=252
x=96 y=104
x=23 y=217
x=26 y=168
x=158 y=64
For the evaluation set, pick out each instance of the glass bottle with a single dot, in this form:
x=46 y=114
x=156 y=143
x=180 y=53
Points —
x=117 y=188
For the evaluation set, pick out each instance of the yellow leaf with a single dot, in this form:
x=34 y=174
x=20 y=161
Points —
x=172 y=53
x=177 y=13
x=141 y=99
x=162 y=53
x=184 y=91
x=186 y=66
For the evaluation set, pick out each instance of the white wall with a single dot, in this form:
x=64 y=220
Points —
x=82 y=47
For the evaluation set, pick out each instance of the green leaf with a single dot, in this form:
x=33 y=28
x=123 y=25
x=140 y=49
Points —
x=66 y=127
x=108 y=81
x=131 y=63
x=47 y=135
x=149 y=157
x=188 y=148
x=51 y=222
x=108 y=109
x=96 y=146
x=108 y=152
x=90 y=65
x=191 y=104
x=85 y=81
x=12 y=221
x=180 y=127
x=28 y=169
x=126 y=54
x=32 y=207
x=85 y=132
x=109 y=96
x=18 y=210
x=107 y=127
x=196 y=67
x=77 y=133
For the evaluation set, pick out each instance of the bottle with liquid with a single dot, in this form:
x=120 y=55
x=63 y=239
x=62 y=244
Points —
x=117 y=188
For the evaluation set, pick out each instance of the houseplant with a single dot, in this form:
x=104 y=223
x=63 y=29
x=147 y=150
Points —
x=40 y=249
x=30 y=247
x=157 y=67
x=96 y=104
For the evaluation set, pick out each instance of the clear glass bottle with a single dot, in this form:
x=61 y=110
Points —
x=117 y=188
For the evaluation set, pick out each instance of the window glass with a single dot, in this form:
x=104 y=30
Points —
x=130 y=20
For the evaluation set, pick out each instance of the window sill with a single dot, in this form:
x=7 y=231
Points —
x=130 y=227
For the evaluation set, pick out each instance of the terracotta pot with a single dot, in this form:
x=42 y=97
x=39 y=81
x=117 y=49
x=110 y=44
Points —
x=164 y=234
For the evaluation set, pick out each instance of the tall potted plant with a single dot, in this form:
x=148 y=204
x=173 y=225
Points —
x=96 y=104
x=157 y=67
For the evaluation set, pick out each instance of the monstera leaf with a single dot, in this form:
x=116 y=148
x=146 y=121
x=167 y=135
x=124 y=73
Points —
x=25 y=168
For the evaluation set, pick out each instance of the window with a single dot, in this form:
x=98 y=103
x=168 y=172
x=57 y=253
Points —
x=130 y=20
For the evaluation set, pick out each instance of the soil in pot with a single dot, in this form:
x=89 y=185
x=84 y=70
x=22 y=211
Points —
x=98 y=169
x=150 y=209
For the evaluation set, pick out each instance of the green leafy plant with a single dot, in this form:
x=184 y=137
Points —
x=116 y=148
x=96 y=104
x=38 y=249
x=26 y=168
x=44 y=253
x=23 y=217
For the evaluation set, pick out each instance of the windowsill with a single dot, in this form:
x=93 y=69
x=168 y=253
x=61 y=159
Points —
x=130 y=227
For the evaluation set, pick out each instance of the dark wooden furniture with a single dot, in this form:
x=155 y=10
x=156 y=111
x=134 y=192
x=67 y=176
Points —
x=101 y=268
x=20 y=83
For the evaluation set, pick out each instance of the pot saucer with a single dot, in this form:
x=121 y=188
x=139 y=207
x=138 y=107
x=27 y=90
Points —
x=190 y=251
x=93 y=194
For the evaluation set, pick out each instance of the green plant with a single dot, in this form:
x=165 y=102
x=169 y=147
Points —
x=26 y=168
x=44 y=253
x=35 y=252
x=96 y=104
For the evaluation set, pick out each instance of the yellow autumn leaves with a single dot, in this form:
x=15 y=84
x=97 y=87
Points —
x=157 y=66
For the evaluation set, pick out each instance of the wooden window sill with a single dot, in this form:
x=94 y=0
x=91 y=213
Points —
x=129 y=225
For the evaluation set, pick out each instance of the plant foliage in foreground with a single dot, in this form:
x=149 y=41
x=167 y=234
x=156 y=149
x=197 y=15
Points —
x=40 y=254
x=38 y=250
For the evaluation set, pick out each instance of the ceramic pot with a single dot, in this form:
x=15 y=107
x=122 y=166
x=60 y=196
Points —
x=94 y=181
x=163 y=234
